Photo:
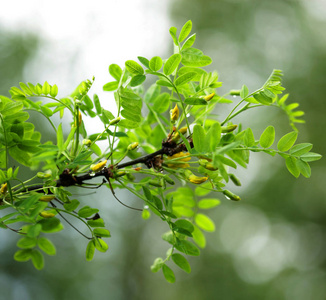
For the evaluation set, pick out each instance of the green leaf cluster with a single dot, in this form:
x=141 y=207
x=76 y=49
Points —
x=165 y=145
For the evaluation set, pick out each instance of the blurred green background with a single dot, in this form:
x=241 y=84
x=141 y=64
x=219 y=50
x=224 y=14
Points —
x=271 y=245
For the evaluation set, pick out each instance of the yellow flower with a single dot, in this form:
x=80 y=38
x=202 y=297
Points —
x=176 y=164
x=132 y=146
x=196 y=179
x=175 y=113
x=47 y=198
x=207 y=165
x=209 y=97
x=183 y=130
x=46 y=214
x=4 y=188
x=79 y=119
x=99 y=166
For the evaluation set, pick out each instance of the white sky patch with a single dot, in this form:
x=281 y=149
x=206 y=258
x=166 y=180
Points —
x=80 y=39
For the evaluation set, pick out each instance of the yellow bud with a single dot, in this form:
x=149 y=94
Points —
x=235 y=180
x=183 y=130
x=43 y=175
x=46 y=214
x=4 y=188
x=196 y=179
x=47 y=198
x=121 y=173
x=169 y=180
x=231 y=196
x=184 y=157
x=230 y=128
x=115 y=121
x=235 y=92
x=132 y=146
x=87 y=142
x=99 y=166
x=207 y=165
x=175 y=113
x=209 y=97
x=154 y=183
x=79 y=119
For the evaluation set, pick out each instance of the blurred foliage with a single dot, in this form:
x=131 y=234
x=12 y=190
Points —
x=15 y=50
x=273 y=246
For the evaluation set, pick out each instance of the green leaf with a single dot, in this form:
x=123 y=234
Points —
x=134 y=67
x=51 y=225
x=97 y=104
x=25 y=88
x=102 y=232
x=115 y=71
x=27 y=242
x=11 y=108
x=292 y=166
x=46 y=111
x=90 y=250
x=300 y=149
x=310 y=156
x=157 y=265
x=203 y=189
x=54 y=90
x=96 y=223
x=199 y=139
x=181 y=262
x=168 y=274
x=144 y=61
x=87 y=211
x=156 y=63
x=147 y=193
x=173 y=32
x=185 y=224
x=100 y=245
x=46 y=246
x=304 y=168
x=267 y=137
x=37 y=259
x=199 y=237
x=162 y=103
x=263 y=99
x=110 y=86
x=72 y=205
x=185 y=78
x=193 y=57
x=208 y=203
x=287 y=141
x=249 y=138
x=128 y=114
x=34 y=230
x=46 y=89
x=171 y=64
x=60 y=137
x=204 y=222
x=128 y=124
x=213 y=136
x=137 y=80
x=187 y=248
x=23 y=255
x=224 y=160
x=189 y=42
x=163 y=82
x=244 y=91
x=186 y=29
